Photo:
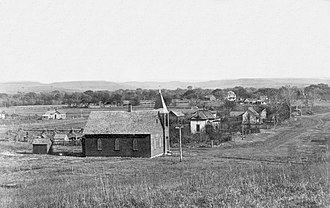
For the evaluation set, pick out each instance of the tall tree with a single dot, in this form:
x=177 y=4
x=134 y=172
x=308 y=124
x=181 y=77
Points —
x=289 y=94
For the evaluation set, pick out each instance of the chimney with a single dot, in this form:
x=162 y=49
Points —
x=130 y=109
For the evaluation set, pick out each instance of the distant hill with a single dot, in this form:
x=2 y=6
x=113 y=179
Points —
x=80 y=86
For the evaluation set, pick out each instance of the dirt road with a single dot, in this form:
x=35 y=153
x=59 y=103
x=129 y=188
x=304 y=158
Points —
x=305 y=140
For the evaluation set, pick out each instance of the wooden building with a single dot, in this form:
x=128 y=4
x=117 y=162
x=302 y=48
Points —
x=199 y=120
x=60 y=139
x=176 y=117
x=41 y=146
x=53 y=114
x=147 y=103
x=129 y=133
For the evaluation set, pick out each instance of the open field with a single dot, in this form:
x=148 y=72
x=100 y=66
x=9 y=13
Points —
x=289 y=167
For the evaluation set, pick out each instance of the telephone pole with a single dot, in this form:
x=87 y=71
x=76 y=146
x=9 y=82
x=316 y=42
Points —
x=180 y=142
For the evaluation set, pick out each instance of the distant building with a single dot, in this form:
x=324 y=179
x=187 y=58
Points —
x=147 y=103
x=3 y=115
x=129 y=133
x=262 y=114
x=251 y=116
x=199 y=120
x=53 y=114
x=41 y=146
x=60 y=139
x=176 y=117
x=210 y=98
x=126 y=102
x=236 y=117
x=180 y=103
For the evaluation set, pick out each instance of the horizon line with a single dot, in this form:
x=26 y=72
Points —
x=162 y=81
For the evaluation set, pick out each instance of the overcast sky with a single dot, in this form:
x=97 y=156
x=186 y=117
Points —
x=146 y=40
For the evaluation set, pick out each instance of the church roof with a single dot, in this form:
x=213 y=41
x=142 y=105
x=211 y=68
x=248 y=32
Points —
x=122 y=122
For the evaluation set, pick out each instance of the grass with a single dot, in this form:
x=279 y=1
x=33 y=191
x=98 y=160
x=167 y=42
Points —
x=270 y=174
x=200 y=181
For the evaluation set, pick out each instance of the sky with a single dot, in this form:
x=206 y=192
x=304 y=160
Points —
x=167 y=40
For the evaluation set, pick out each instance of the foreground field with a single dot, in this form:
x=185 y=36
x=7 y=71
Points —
x=287 y=167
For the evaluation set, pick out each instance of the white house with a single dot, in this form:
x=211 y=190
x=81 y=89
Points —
x=53 y=114
x=263 y=115
x=3 y=115
x=199 y=120
x=251 y=116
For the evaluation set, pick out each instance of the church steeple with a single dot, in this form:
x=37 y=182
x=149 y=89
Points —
x=160 y=103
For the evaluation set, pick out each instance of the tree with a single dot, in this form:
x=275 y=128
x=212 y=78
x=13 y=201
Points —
x=229 y=104
x=116 y=98
x=289 y=94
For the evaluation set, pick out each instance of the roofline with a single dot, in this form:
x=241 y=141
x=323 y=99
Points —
x=118 y=134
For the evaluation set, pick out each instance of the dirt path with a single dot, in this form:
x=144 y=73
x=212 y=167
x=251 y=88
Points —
x=294 y=143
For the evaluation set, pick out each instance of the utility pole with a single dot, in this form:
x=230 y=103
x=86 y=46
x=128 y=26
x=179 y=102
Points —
x=180 y=142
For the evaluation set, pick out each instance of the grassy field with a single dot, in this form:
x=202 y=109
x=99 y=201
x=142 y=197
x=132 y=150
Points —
x=202 y=180
x=285 y=167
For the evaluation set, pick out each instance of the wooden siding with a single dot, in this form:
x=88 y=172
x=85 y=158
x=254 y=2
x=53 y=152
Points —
x=125 y=145
x=41 y=148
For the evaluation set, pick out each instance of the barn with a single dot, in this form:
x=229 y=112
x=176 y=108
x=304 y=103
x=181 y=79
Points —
x=143 y=133
x=41 y=146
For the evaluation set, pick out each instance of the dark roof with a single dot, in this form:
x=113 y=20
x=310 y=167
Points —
x=260 y=109
x=202 y=115
x=122 y=122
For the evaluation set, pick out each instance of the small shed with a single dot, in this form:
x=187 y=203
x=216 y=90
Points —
x=41 y=146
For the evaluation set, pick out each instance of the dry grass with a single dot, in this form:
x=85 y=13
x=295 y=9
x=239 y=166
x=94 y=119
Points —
x=202 y=180
x=259 y=172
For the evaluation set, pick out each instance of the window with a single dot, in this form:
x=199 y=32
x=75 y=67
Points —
x=198 y=128
x=99 y=144
x=155 y=143
x=117 y=144
x=135 y=147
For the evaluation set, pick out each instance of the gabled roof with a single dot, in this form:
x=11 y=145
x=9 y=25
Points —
x=51 y=112
x=177 y=113
x=202 y=115
x=235 y=113
x=41 y=141
x=253 y=112
x=60 y=136
x=122 y=122
x=259 y=110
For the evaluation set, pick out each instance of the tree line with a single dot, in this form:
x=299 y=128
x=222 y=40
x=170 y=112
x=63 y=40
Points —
x=284 y=94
